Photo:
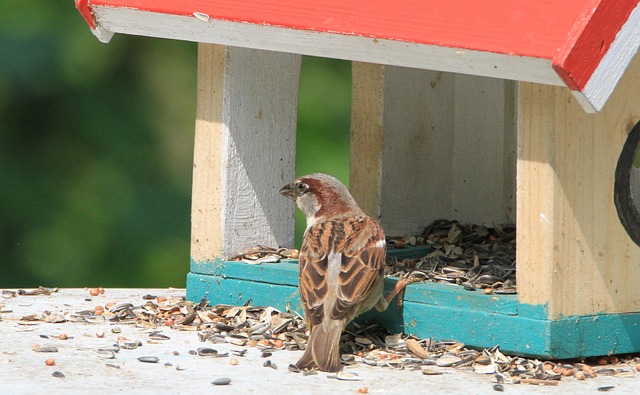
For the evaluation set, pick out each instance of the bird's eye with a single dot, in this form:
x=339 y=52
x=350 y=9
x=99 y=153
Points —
x=301 y=188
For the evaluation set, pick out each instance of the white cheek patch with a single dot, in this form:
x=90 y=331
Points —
x=312 y=220
x=380 y=243
x=309 y=206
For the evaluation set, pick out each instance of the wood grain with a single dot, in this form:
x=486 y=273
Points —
x=573 y=253
x=428 y=145
x=244 y=150
x=367 y=128
x=206 y=196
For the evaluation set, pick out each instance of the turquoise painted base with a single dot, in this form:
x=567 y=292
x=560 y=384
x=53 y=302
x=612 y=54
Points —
x=440 y=311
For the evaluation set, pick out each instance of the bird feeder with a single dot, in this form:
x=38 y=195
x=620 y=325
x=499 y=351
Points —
x=481 y=111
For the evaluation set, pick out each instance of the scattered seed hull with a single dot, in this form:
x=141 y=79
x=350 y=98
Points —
x=272 y=331
x=263 y=254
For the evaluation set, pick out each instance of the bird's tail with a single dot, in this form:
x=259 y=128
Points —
x=323 y=350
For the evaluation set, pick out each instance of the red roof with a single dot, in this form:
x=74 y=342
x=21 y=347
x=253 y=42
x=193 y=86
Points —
x=571 y=37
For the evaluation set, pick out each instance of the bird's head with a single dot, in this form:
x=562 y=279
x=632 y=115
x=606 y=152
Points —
x=321 y=197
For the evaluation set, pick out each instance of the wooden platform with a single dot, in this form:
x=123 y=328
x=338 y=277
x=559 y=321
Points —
x=430 y=309
x=23 y=371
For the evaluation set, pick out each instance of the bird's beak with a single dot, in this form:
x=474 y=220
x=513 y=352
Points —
x=287 y=191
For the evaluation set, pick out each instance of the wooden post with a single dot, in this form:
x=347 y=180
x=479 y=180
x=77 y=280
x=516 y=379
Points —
x=244 y=150
x=367 y=132
x=428 y=145
x=573 y=254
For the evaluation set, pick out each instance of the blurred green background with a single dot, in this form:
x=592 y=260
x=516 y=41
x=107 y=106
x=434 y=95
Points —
x=96 y=146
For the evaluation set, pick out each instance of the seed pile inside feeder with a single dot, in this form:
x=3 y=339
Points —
x=472 y=256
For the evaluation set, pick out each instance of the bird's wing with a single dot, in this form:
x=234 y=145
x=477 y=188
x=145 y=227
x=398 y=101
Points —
x=359 y=242
x=362 y=264
x=312 y=271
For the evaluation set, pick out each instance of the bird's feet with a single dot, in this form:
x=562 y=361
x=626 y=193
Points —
x=401 y=285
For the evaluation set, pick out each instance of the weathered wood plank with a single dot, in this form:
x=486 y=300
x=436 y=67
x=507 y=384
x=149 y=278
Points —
x=244 y=150
x=573 y=253
x=484 y=150
x=367 y=128
x=454 y=136
x=206 y=198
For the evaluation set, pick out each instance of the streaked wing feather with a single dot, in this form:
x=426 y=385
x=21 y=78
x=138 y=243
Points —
x=311 y=273
x=362 y=265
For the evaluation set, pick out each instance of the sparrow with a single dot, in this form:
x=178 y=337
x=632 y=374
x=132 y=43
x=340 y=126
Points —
x=341 y=265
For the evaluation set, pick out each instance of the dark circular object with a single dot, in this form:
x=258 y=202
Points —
x=626 y=190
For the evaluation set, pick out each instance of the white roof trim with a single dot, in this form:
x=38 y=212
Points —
x=357 y=48
x=612 y=66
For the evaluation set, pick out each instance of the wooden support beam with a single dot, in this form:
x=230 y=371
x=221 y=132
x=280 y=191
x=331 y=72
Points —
x=367 y=131
x=244 y=150
x=428 y=145
x=573 y=254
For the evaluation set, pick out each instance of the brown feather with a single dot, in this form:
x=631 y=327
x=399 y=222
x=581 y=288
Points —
x=340 y=267
x=323 y=350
